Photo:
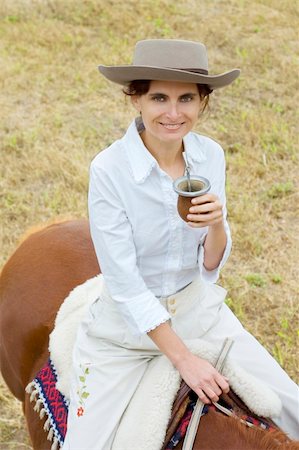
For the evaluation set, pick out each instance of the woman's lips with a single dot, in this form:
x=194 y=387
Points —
x=171 y=126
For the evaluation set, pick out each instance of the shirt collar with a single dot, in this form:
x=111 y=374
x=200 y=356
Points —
x=194 y=148
x=142 y=161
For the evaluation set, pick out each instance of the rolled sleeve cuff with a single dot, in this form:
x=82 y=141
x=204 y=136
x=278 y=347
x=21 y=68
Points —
x=211 y=276
x=142 y=313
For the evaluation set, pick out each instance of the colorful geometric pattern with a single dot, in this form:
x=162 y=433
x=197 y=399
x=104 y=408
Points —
x=54 y=403
x=183 y=425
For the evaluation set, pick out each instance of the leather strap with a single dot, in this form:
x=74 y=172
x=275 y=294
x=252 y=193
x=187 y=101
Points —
x=197 y=412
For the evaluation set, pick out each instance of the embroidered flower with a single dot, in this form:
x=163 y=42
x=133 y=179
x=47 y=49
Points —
x=82 y=393
x=80 y=411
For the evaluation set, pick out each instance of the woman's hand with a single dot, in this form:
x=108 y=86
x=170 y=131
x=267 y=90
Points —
x=202 y=378
x=198 y=373
x=206 y=211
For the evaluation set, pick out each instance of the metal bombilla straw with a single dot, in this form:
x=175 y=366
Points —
x=187 y=169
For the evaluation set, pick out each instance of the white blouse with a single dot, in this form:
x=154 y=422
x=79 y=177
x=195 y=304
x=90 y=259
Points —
x=145 y=250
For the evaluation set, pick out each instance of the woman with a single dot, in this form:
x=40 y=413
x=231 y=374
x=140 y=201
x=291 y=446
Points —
x=159 y=271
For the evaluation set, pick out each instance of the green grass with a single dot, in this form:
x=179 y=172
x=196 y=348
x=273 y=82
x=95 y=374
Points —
x=57 y=112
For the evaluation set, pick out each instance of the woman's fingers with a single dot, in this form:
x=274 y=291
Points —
x=207 y=394
x=205 y=218
x=206 y=211
x=212 y=391
x=206 y=198
x=202 y=396
x=214 y=387
x=211 y=394
x=222 y=382
x=205 y=208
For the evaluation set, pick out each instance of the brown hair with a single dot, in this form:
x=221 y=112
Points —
x=141 y=87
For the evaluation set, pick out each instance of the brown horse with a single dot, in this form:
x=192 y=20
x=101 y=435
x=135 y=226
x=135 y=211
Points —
x=33 y=283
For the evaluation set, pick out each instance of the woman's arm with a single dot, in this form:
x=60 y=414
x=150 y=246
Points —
x=114 y=245
x=208 y=212
x=198 y=373
x=214 y=246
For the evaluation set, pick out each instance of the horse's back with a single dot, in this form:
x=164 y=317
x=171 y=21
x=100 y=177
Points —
x=33 y=283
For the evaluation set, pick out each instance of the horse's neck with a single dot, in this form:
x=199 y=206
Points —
x=220 y=431
x=217 y=431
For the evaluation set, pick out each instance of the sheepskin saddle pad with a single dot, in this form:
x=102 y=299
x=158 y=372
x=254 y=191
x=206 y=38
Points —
x=160 y=383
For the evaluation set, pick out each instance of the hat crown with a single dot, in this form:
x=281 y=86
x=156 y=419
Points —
x=170 y=53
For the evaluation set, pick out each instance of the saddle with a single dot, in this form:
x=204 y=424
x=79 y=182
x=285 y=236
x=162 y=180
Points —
x=182 y=402
x=229 y=404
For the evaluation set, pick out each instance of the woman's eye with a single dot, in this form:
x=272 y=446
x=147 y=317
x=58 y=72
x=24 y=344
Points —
x=158 y=98
x=186 y=98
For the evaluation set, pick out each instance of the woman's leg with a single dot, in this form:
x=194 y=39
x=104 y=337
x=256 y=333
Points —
x=105 y=377
x=255 y=359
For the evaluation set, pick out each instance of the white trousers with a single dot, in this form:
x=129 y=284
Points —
x=109 y=362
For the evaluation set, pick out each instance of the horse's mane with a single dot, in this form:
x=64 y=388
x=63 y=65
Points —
x=254 y=438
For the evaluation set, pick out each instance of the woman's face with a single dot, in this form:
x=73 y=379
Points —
x=169 y=110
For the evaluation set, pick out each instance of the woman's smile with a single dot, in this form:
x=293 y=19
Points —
x=171 y=126
x=169 y=111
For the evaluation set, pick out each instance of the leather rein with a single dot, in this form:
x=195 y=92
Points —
x=197 y=412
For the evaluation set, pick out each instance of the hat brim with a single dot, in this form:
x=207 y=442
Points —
x=125 y=74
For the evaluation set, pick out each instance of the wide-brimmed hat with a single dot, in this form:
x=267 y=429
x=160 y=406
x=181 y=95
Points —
x=169 y=60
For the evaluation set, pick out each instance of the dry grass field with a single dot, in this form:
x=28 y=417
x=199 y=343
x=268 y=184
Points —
x=57 y=112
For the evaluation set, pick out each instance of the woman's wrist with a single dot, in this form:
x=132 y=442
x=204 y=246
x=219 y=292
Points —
x=169 y=343
x=217 y=227
x=182 y=359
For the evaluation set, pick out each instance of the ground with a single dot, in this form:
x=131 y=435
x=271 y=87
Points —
x=57 y=112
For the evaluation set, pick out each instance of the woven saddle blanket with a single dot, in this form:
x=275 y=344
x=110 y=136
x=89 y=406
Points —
x=157 y=390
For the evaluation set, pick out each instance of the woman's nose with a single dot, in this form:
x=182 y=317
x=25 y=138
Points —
x=173 y=111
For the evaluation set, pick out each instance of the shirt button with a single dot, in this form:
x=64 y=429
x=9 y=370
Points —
x=173 y=311
x=172 y=301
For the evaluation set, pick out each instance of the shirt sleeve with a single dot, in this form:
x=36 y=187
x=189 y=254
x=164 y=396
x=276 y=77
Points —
x=112 y=237
x=218 y=188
